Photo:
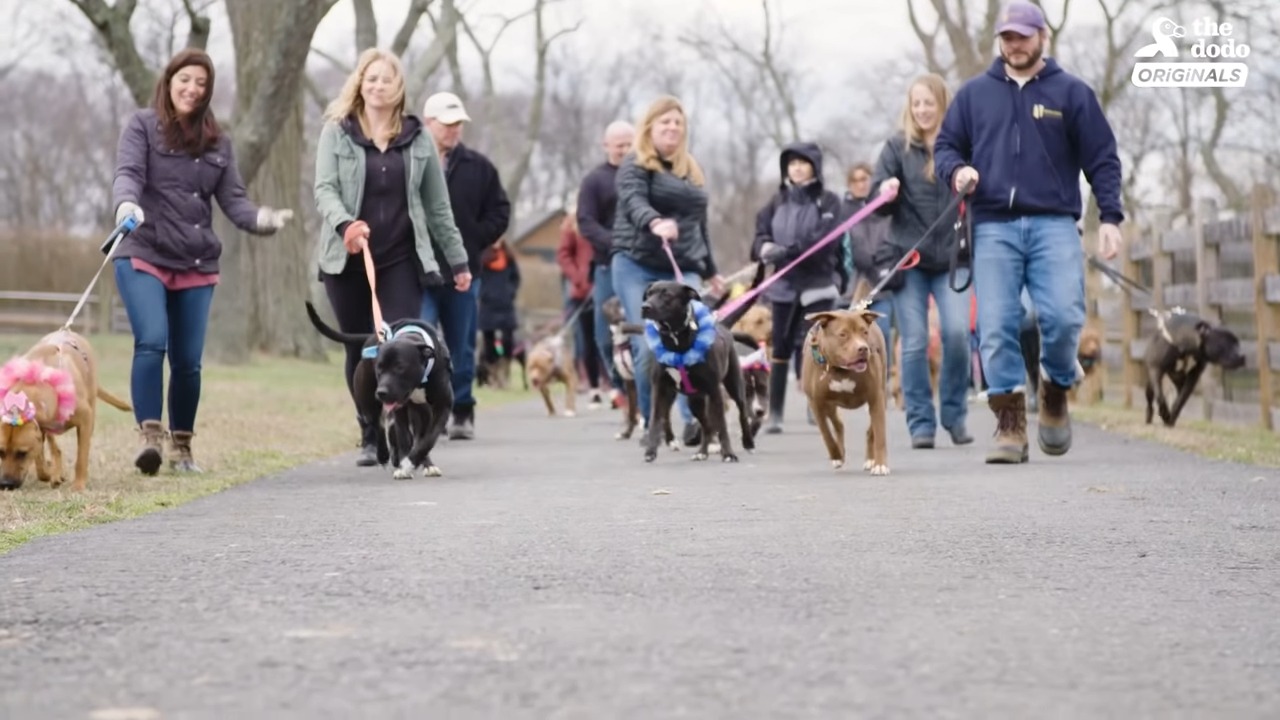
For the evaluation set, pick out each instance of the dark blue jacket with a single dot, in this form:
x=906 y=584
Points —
x=1029 y=145
x=795 y=219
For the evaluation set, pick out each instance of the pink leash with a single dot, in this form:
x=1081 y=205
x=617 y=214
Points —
x=666 y=245
x=729 y=308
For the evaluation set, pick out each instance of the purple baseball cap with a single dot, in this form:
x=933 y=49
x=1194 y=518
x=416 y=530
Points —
x=1021 y=17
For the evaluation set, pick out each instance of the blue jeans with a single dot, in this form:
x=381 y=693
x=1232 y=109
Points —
x=630 y=280
x=456 y=313
x=911 y=308
x=163 y=320
x=884 y=306
x=1041 y=253
x=601 y=292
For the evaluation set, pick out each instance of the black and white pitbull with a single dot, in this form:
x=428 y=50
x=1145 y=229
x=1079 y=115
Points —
x=669 y=307
x=402 y=388
x=1183 y=345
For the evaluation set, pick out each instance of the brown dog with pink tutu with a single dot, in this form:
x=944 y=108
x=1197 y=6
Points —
x=44 y=393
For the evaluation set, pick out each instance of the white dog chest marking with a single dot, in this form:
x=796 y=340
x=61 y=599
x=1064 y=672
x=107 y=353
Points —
x=418 y=396
x=845 y=385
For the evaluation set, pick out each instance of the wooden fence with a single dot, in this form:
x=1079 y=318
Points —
x=1224 y=268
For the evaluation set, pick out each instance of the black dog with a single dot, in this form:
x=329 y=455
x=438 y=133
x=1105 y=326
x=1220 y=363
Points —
x=669 y=305
x=402 y=388
x=755 y=381
x=1181 y=348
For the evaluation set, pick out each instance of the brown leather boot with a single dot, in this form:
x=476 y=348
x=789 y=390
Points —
x=180 y=442
x=1010 y=445
x=1054 y=434
x=151 y=456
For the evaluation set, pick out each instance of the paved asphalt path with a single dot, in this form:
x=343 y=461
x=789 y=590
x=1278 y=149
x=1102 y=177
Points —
x=547 y=577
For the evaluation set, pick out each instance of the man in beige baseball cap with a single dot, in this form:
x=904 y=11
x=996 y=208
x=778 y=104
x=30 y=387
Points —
x=482 y=213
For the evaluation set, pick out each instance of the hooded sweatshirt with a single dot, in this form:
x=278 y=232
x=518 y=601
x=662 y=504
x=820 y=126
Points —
x=1029 y=145
x=796 y=218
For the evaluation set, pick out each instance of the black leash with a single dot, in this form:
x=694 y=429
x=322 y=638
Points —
x=1116 y=275
x=961 y=250
x=956 y=202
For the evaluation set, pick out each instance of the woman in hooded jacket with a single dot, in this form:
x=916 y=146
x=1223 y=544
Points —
x=800 y=214
x=906 y=163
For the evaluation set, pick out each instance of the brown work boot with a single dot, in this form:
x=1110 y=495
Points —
x=151 y=456
x=1010 y=446
x=1054 y=436
x=180 y=442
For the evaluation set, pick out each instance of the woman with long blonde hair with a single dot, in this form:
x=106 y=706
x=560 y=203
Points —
x=380 y=189
x=906 y=163
x=661 y=201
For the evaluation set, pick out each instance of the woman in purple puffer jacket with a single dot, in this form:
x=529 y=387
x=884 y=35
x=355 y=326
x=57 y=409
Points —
x=173 y=159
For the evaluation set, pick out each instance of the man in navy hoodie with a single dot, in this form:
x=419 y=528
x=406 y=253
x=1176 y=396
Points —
x=1022 y=132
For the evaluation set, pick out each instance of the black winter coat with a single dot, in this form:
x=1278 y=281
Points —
x=644 y=195
x=498 y=297
x=795 y=219
x=917 y=206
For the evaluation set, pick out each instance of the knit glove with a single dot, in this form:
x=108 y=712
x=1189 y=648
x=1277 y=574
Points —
x=272 y=219
x=772 y=253
x=126 y=209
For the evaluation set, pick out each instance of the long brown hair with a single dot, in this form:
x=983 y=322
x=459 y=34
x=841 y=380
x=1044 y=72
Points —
x=199 y=131
x=682 y=163
x=937 y=87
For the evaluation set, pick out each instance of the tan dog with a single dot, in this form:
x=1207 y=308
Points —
x=844 y=368
x=757 y=322
x=549 y=362
x=49 y=390
x=1089 y=356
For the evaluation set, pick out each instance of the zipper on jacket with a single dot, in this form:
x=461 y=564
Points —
x=1017 y=138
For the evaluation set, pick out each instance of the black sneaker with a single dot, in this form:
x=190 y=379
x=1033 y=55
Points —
x=692 y=436
x=463 y=424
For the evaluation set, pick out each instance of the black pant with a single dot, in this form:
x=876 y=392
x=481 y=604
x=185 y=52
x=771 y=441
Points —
x=491 y=339
x=789 y=328
x=590 y=355
x=399 y=295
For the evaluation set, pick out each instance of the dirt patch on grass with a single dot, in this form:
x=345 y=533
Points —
x=1254 y=446
x=254 y=420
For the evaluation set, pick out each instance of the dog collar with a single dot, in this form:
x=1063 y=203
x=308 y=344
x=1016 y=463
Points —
x=706 y=325
x=371 y=352
x=755 y=361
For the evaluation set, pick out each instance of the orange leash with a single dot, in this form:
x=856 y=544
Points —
x=378 y=325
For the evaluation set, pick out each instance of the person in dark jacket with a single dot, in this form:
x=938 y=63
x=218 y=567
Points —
x=499 y=285
x=574 y=255
x=907 y=163
x=661 y=201
x=800 y=214
x=379 y=189
x=172 y=160
x=1023 y=131
x=597 y=204
x=862 y=243
x=483 y=212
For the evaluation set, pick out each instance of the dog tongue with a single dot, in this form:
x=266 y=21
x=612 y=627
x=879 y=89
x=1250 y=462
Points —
x=389 y=407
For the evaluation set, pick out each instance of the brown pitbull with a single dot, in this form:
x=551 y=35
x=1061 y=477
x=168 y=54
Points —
x=548 y=362
x=844 y=368
x=49 y=390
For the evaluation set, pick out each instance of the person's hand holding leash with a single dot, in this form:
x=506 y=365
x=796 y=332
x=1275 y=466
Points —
x=890 y=186
x=462 y=281
x=665 y=228
x=717 y=285
x=356 y=237
x=771 y=253
x=964 y=176
x=126 y=209
x=1109 y=240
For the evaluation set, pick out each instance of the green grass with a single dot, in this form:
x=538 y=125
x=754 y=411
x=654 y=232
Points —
x=254 y=420
x=1219 y=441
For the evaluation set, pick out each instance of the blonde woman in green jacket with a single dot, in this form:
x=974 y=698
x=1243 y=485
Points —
x=380 y=189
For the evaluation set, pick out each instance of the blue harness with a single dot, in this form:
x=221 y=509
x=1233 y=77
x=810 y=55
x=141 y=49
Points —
x=705 y=322
x=371 y=352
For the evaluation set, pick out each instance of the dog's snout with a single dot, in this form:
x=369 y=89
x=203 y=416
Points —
x=10 y=483
x=382 y=394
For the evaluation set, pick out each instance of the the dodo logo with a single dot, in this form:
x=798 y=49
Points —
x=1209 y=39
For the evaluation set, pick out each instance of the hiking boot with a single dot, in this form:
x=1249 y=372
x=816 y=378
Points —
x=777 y=397
x=182 y=460
x=1010 y=445
x=692 y=436
x=922 y=442
x=959 y=434
x=368 y=456
x=464 y=422
x=151 y=456
x=1054 y=433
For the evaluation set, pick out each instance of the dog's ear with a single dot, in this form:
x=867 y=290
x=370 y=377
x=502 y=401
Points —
x=648 y=289
x=1203 y=327
x=870 y=316
x=690 y=293
x=820 y=318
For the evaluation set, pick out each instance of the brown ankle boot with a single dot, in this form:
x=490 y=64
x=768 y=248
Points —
x=1054 y=433
x=1010 y=445
x=150 y=457
x=180 y=442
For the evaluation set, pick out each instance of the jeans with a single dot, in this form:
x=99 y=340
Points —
x=884 y=306
x=911 y=308
x=630 y=280
x=1041 y=253
x=457 y=314
x=601 y=292
x=164 y=320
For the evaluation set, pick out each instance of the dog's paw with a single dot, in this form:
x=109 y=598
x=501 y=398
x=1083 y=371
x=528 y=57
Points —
x=569 y=413
x=432 y=471
x=728 y=457
x=675 y=446
x=650 y=455
x=837 y=464
x=878 y=469
x=403 y=471
x=868 y=464
x=713 y=447
x=699 y=456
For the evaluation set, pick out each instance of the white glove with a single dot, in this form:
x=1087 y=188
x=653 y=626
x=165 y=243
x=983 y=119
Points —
x=126 y=209
x=272 y=219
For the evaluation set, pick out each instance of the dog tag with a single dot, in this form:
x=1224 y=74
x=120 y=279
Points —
x=418 y=397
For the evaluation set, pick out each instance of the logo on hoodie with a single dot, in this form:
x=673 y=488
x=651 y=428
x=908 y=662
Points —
x=1208 y=39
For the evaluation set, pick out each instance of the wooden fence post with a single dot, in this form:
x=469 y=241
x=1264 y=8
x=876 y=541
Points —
x=1267 y=317
x=1207 y=270
x=1129 y=376
x=1091 y=392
